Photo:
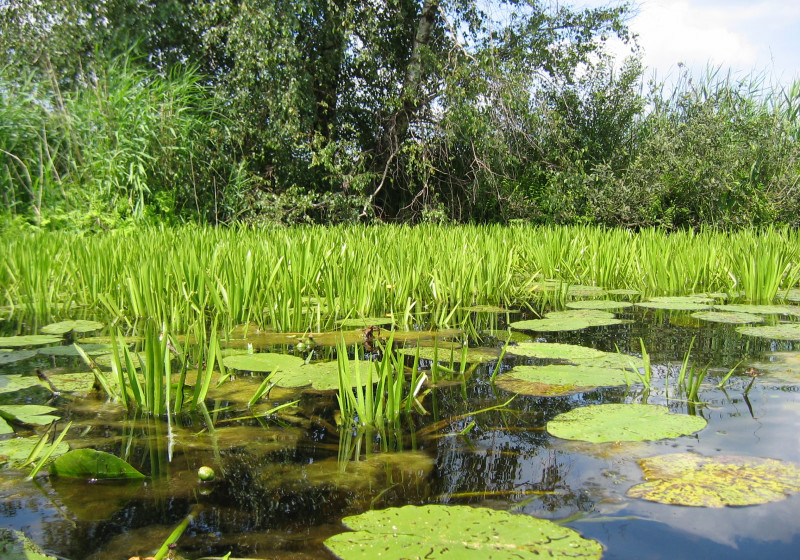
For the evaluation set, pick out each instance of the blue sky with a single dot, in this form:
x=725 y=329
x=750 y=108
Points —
x=761 y=36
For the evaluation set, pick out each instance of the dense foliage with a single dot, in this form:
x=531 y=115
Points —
x=118 y=111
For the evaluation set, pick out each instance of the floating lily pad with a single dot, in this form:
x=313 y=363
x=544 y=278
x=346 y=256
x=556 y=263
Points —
x=353 y=322
x=578 y=290
x=733 y=317
x=687 y=479
x=324 y=376
x=761 y=309
x=610 y=360
x=599 y=304
x=13 y=383
x=14 y=545
x=16 y=450
x=30 y=413
x=553 y=350
x=571 y=320
x=474 y=355
x=92 y=464
x=558 y=379
x=624 y=292
x=622 y=422
x=13 y=356
x=695 y=298
x=263 y=362
x=791 y=295
x=677 y=303
x=107 y=359
x=72 y=326
x=70 y=350
x=487 y=309
x=78 y=382
x=456 y=532
x=785 y=331
x=28 y=340
x=588 y=314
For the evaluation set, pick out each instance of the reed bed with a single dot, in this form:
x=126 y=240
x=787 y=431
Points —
x=308 y=278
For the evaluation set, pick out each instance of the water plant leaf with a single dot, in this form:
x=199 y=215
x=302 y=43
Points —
x=578 y=290
x=263 y=362
x=487 y=309
x=570 y=320
x=28 y=340
x=474 y=355
x=761 y=309
x=589 y=314
x=558 y=379
x=79 y=326
x=456 y=532
x=77 y=382
x=14 y=545
x=610 y=360
x=13 y=383
x=622 y=422
x=791 y=295
x=599 y=304
x=14 y=356
x=553 y=350
x=69 y=350
x=16 y=450
x=324 y=376
x=688 y=479
x=354 y=322
x=694 y=298
x=677 y=303
x=784 y=331
x=733 y=317
x=624 y=292
x=30 y=413
x=92 y=464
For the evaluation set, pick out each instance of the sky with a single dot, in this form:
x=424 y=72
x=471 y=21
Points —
x=744 y=36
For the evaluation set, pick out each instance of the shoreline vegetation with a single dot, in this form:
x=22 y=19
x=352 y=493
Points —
x=119 y=114
x=312 y=278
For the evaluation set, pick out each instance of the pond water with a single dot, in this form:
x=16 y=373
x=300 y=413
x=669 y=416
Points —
x=285 y=481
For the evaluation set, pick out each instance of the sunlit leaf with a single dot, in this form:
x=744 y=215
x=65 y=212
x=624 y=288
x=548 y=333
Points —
x=558 y=380
x=92 y=464
x=79 y=326
x=785 y=331
x=28 y=340
x=13 y=356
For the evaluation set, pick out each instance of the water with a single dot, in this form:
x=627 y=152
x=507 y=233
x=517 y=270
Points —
x=283 y=487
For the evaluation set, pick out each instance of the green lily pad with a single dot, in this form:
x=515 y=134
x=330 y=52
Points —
x=79 y=326
x=324 y=376
x=28 y=340
x=687 y=479
x=676 y=304
x=624 y=292
x=578 y=290
x=733 y=317
x=30 y=413
x=13 y=383
x=92 y=464
x=14 y=356
x=695 y=298
x=487 y=309
x=263 y=362
x=622 y=422
x=558 y=379
x=474 y=355
x=571 y=320
x=761 y=309
x=553 y=350
x=69 y=350
x=610 y=360
x=599 y=304
x=588 y=314
x=14 y=545
x=784 y=331
x=456 y=533
x=78 y=382
x=16 y=450
x=354 y=322
x=790 y=295
x=107 y=359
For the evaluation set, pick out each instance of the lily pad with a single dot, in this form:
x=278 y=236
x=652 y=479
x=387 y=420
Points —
x=354 y=322
x=624 y=292
x=69 y=350
x=599 y=304
x=263 y=362
x=78 y=382
x=79 y=326
x=487 y=309
x=692 y=480
x=13 y=383
x=622 y=422
x=28 y=340
x=695 y=298
x=578 y=290
x=456 y=532
x=14 y=356
x=92 y=464
x=324 y=376
x=589 y=314
x=733 y=317
x=474 y=355
x=761 y=309
x=784 y=331
x=14 y=545
x=558 y=379
x=16 y=450
x=30 y=413
x=677 y=304
x=571 y=320
x=790 y=295
x=553 y=350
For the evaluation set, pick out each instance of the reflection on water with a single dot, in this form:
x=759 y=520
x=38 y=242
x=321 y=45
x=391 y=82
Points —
x=284 y=485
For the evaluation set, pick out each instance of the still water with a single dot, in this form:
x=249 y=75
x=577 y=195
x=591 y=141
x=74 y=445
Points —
x=285 y=482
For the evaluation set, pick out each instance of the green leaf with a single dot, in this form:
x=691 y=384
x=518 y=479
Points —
x=572 y=320
x=553 y=350
x=578 y=290
x=761 y=309
x=676 y=304
x=14 y=545
x=474 y=355
x=439 y=532
x=11 y=357
x=69 y=350
x=77 y=326
x=18 y=449
x=732 y=317
x=13 y=383
x=93 y=464
x=599 y=304
x=558 y=380
x=787 y=331
x=687 y=479
x=28 y=340
x=622 y=422
x=30 y=413
x=263 y=362
x=355 y=322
